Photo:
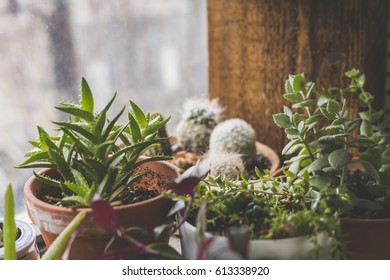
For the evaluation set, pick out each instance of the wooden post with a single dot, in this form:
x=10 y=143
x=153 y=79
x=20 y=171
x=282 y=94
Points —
x=255 y=44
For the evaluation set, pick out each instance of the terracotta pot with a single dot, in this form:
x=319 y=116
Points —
x=270 y=154
x=26 y=248
x=91 y=239
x=367 y=239
x=287 y=248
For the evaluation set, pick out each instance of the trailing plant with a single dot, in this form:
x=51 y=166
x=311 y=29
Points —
x=266 y=208
x=322 y=133
x=92 y=153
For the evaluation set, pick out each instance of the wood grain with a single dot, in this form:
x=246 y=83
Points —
x=255 y=44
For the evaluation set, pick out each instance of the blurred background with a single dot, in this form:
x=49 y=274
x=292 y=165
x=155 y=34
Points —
x=153 y=52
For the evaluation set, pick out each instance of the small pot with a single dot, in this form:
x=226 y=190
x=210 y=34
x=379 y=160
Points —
x=279 y=249
x=91 y=240
x=367 y=239
x=26 y=248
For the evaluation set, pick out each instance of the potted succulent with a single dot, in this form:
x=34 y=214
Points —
x=267 y=218
x=17 y=238
x=201 y=135
x=323 y=138
x=92 y=158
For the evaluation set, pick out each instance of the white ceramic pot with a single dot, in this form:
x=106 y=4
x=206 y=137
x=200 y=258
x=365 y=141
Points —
x=26 y=248
x=277 y=249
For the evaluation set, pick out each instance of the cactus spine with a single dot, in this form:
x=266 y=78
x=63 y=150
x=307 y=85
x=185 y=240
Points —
x=234 y=136
x=199 y=118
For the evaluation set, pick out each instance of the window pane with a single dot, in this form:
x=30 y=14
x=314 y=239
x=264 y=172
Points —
x=153 y=52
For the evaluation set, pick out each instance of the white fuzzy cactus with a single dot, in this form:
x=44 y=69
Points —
x=234 y=136
x=199 y=117
x=229 y=166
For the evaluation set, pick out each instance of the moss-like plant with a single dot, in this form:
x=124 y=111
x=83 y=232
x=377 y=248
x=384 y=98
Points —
x=92 y=153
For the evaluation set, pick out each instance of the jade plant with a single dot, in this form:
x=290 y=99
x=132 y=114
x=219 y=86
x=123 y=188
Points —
x=323 y=135
x=93 y=155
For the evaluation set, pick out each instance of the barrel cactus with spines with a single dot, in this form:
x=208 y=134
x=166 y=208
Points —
x=234 y=136
x=199 y=118
x=231 y=168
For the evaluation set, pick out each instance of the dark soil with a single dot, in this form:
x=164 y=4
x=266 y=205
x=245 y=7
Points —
x=362 y=186
x=133 y=194
x=148 y=186
x=262 y=163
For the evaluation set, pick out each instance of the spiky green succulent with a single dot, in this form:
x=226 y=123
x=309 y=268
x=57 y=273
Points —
x=92 y=153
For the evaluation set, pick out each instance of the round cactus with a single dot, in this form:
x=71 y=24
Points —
x=199 y=118
x=226 y=165
x=234 y=136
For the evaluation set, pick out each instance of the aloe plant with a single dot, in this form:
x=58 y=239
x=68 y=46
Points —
x=93 y=154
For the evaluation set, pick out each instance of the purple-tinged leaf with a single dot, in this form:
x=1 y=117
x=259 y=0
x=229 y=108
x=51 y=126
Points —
x=186 y=183
x=201 y=254
x=239 y=240
x=161 y=229
x=104 y=214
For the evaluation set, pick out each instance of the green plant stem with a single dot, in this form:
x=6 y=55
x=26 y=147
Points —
x=55 y=249
x=9 y=226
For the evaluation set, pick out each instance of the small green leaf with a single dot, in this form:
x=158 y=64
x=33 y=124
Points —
x=288 y=146
x=295 y=167
x=320 y=182
x=370 y=169
x=339 y=121
x=366 y=128
x=369 y=204
x=297 y=82
x=318 y=164
x=138 y=115
x=76 y=112
x=293 y=97
x=314 y=119
x=332 y=106
x=288 y=88
x=305 y=103
x=135 y=129
x=287 y=111
x=153 y=127
x=339 y=158
x=87 y=102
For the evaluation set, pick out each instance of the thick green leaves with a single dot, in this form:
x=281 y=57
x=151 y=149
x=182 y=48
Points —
x=282 y=120
x=370 y=169
x=339 y=158
x=138 y=115
x=87 y=102
x=297 y=82
x=318 y=164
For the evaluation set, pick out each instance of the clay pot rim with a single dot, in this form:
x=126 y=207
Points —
x=28 y=194
x=365 y=221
